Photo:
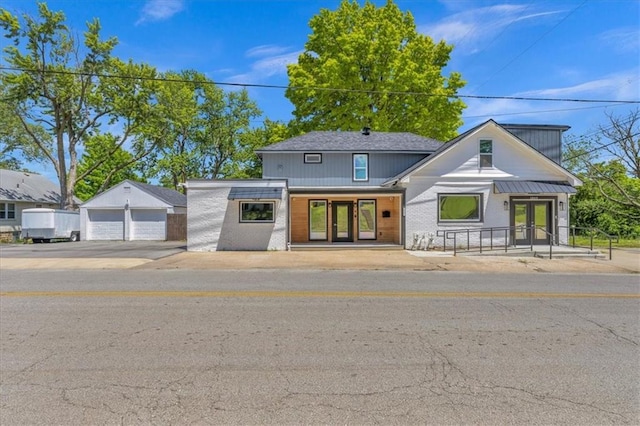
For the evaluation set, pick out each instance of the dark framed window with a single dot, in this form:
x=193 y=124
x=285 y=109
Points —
x=366 y=219
x=318 y=220
x=312 y=158
x=257 y=212
x=360 y=167
x=486 y=153
x=7 y=211
x=459 y=207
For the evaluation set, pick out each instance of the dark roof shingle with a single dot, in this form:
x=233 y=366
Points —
x=168 y=195
x=28 y=187
x=356 y=141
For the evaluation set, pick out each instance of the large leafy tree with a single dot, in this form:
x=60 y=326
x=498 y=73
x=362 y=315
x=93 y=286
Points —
x=207 y=132
x=16 y=144
x=369 y=67
x=609 y=165
x=67 y=90
x=116 y=165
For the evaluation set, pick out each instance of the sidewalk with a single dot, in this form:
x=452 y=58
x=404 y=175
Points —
x=627 y=262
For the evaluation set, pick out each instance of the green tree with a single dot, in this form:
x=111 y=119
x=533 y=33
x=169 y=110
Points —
x=206 y=131
x=221 y=138
x=177 y=123
x=16 y=144
x=115 y=168
x=246 y=163
x=368 y=67
x=64 y=88
x=609 y=166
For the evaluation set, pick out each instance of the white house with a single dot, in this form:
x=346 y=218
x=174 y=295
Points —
x=130 y=211
x=19 y=191
x=494 y=183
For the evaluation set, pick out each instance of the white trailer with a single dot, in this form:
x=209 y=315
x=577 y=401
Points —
x=44 y=225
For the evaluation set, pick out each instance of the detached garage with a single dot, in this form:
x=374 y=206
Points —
x=134 y=211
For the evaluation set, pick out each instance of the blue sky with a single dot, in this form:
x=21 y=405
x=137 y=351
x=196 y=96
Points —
x=577 y=49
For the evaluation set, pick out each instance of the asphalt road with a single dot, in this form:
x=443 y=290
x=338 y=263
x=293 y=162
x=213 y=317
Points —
x=329 y=347
x=93 y=249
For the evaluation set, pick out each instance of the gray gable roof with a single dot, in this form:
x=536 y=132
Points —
x=27 y=187
x=322 y=141
x=169 y=196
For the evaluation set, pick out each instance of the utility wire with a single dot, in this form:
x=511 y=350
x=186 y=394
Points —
x=327 y=89
x=532 y=44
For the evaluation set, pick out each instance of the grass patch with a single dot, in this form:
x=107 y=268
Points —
x=581 y=241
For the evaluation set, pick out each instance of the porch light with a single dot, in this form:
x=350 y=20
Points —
x=561 y=204
x=506 y=205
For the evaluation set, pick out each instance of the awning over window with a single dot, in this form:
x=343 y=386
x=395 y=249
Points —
x=255 y=193
x=532 y=187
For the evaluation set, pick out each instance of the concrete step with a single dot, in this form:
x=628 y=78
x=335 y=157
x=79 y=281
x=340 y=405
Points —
x=571 y=254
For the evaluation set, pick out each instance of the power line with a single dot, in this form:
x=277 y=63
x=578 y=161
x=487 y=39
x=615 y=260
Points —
x=532 y=44
x=327 y=89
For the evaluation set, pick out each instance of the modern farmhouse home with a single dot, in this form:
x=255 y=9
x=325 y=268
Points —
x=388 y=189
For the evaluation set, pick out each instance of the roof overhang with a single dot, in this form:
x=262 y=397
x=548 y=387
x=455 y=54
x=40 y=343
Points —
x=255 y=193
x=532 y=187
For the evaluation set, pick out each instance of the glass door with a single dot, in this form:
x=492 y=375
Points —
x=342 y=221
x=528 y=214
x=521 y=222
x=542 y=222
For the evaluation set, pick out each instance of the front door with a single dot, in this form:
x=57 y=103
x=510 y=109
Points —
x=526 y=215
x=342 y=220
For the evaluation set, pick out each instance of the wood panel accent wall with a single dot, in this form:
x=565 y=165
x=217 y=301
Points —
x=387 y=228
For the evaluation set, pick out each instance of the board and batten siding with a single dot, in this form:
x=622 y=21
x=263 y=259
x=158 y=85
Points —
x=336 y=168
x=546 y=141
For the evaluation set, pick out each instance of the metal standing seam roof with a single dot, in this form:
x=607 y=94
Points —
x=532 y=187
x=258 y=193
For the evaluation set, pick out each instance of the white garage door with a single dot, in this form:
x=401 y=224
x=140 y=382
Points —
x=105 y=225
x=149 y=225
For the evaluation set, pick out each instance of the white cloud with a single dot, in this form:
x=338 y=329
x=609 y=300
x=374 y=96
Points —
x=472 y=28
x=618 y=86
x=623 y=85
x=272 y=61
x=266 y=50
x=622 y=40
x=159 y=10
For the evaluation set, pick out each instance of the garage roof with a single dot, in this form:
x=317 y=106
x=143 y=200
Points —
x=168 y=195
x=255 y=193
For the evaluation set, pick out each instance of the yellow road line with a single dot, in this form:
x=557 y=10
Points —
x=320 y=294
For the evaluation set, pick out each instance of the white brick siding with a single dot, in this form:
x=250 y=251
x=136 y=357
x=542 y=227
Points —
x=214 y=222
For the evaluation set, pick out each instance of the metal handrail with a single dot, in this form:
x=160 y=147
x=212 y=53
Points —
x=452 y=234
x=591 y=231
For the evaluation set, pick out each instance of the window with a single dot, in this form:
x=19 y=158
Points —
x=486 y=153
x=366 y=219
x=257 y=212
x=313 y=158
x=317 y=219
x=360 y=167
x=460 y=207
x=7 y=211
